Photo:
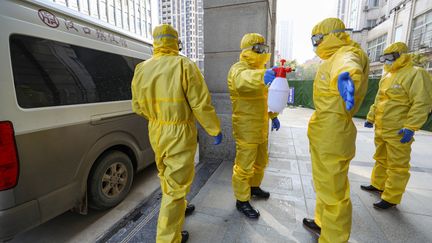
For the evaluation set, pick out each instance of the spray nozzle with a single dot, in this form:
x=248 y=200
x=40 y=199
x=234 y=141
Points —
x=282 y=70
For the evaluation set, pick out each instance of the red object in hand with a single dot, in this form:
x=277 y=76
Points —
x=282 y=71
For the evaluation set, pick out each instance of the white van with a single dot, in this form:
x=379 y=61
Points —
x=68 y=137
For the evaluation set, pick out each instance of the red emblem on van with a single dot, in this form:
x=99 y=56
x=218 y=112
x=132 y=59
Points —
x=48 y=18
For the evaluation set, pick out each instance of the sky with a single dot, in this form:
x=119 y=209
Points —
x=304 y=14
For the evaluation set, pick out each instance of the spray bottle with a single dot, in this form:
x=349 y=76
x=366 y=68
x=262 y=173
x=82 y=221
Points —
x=279 y=89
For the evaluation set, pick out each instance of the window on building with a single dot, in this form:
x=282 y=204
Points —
x=421 y=35
x=398 y=34
x=50 y=73
x=373 y=3
x=376 y=47
x=371 y=23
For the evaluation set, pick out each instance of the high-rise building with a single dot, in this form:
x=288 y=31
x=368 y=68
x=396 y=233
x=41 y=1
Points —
x=186 y=16
x=131 y=15
x=378 y=23
x=360 y=14
x=284 y=39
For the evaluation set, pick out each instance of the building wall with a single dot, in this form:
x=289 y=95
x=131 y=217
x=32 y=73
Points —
x=422 y=6
x=360 y=36
x=402 y=21
x=225 y=23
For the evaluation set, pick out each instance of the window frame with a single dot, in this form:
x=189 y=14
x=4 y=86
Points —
x=374 y=45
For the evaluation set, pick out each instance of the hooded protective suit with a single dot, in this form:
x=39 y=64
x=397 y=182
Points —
x=169 y=91
x=331 y=132
x=250 y=117
x=404 y=100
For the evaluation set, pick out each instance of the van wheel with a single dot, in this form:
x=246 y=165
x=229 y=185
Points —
x=110 y=180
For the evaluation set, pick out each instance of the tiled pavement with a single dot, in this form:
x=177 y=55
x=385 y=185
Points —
x=288 y=178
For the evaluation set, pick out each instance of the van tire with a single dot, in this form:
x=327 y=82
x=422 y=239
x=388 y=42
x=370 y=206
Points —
x=110 y=180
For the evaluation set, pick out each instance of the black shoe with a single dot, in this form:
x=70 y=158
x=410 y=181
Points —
x=260 y=193
x=370 y=188
x=310 y=225
x=189 y=209
x=185 y=236
x=383 y=204
x=247 y=209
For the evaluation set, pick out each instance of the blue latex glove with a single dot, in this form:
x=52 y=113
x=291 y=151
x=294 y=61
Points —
x=346 y=89
x=269 y=76
x=218 y=139
x=407 y=135
x=368 y=124
x=275 y=124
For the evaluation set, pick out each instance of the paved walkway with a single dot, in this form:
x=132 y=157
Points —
x=289 y=179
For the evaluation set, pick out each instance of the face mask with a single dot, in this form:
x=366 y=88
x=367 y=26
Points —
x=329 y=46
x=254 y=59
x=263 y=58
x=387 y=62
x=314 y=49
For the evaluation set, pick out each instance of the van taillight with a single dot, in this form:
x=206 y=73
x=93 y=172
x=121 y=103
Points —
x=8 y=156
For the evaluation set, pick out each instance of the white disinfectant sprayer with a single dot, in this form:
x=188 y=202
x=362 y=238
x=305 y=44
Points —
x=279 y=89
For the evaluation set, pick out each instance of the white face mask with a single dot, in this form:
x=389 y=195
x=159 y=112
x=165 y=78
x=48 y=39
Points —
x=387 y=62
x=315 y=48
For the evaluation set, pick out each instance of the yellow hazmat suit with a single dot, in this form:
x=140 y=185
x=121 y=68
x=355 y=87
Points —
x=331 y=132
x=404 y=100
x=250 y=117
x=169 y=91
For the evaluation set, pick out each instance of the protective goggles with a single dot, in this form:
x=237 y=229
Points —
x=318 y=38
x=259 y=48
x=180 y=45
x=389 y=57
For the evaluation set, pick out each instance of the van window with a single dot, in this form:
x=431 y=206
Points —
x=52 y=73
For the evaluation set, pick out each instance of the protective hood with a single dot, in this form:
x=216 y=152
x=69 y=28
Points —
x=251 y=39
x=331 y=41
x=254 y=59
x=404 y=59
x=165 y=40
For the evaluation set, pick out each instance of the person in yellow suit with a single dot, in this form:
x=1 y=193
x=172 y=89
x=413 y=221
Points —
x=247 y=80
x=339 y=88
x=401 y=107
x=169 y=91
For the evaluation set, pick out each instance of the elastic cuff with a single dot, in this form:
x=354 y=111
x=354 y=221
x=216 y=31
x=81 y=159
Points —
x=411 y=128
x=377 y=187
x=273 y=115
x=393 y=200
x=214 y=135
x=244 y=198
